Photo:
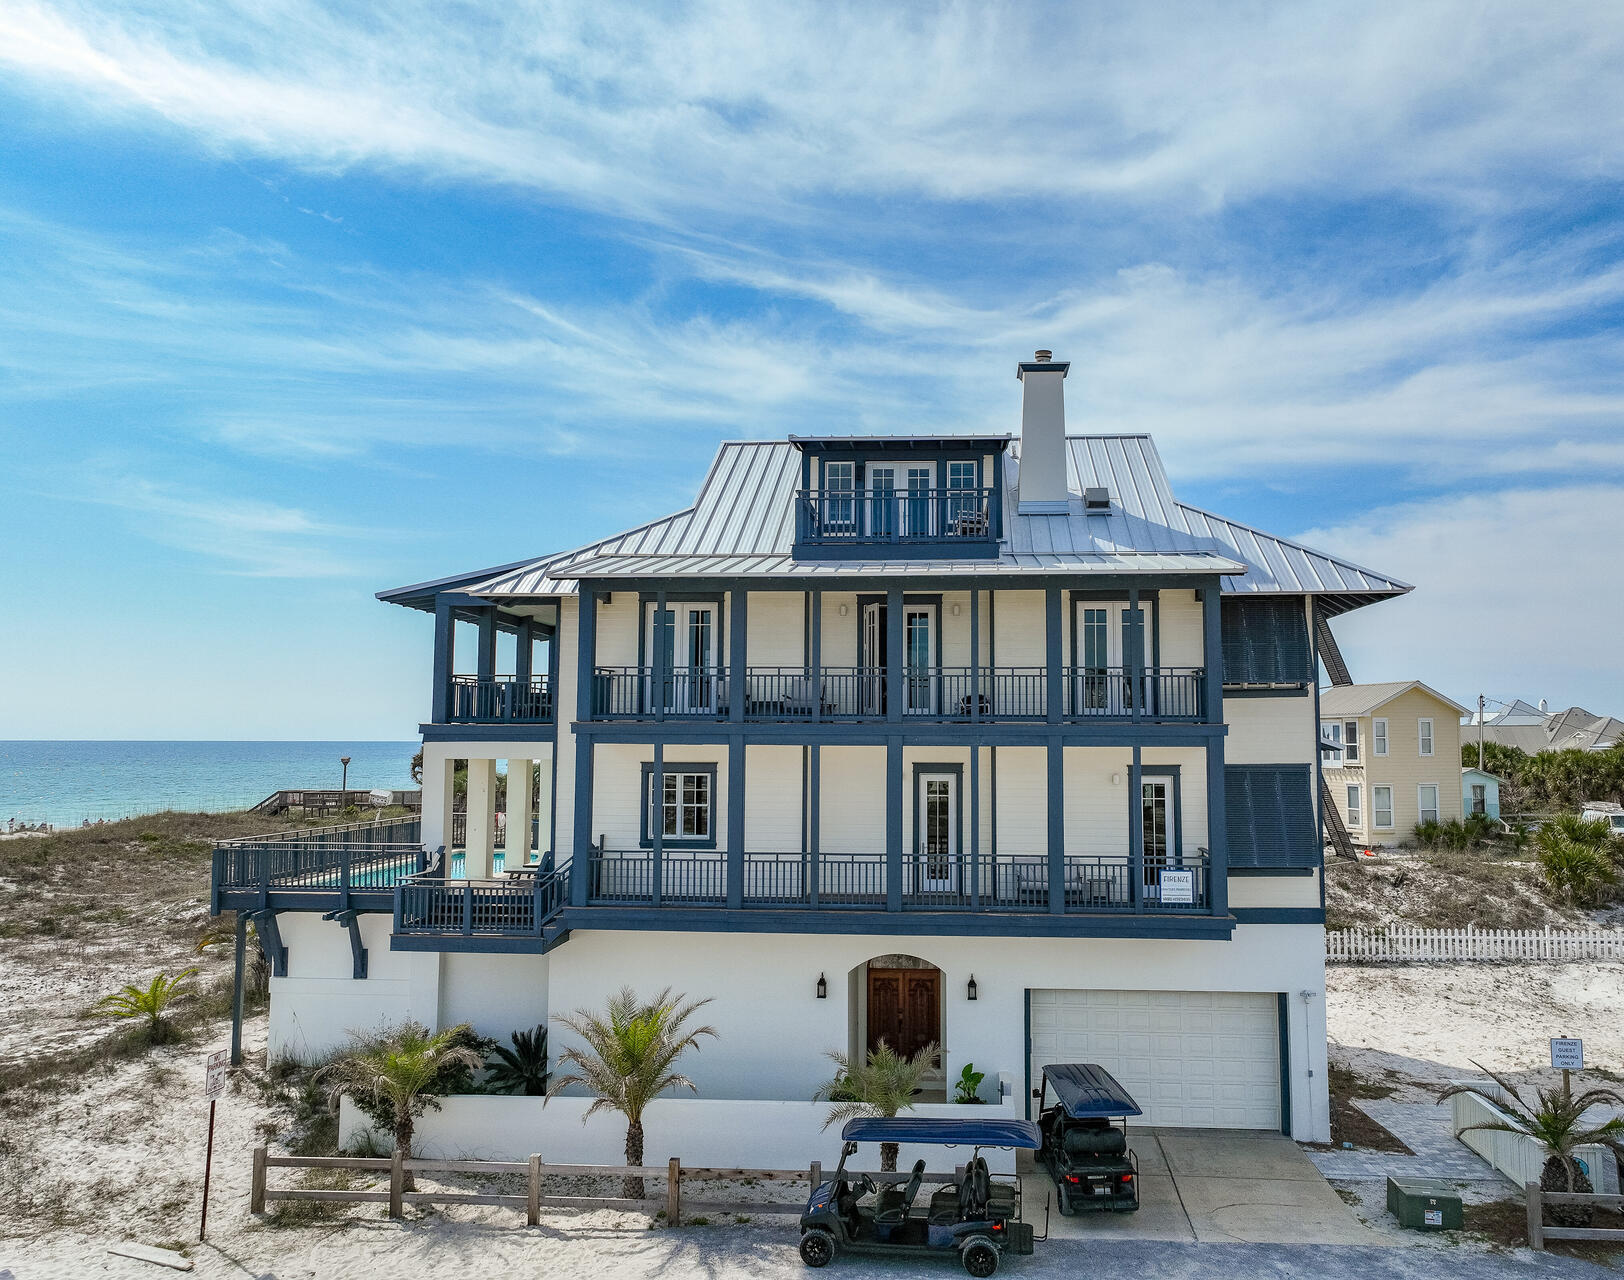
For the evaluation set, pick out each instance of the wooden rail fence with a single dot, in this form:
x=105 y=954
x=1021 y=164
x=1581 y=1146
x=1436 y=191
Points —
x=1539 y=1233
x=534 y=1171
x=1402 y=943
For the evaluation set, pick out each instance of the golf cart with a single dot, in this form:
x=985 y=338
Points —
x=1085 y=1152
x=975 y=1217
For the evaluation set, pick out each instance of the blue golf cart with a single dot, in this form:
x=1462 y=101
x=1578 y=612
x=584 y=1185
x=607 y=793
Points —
x=1085 y=1138
x=976 y=1216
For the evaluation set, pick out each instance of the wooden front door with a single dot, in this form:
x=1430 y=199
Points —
x=904 y=1009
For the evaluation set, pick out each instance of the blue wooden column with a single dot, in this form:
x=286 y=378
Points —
x=735 y=820
x=1057 y=824
x=655 y=801
x=815 y=654
x=1134 y=658
x=895 y=694
x=1136 y=832
x=893 y=823
x=445 y=641
x=238 y=961
x=1053 y=678
x=662 y=686
x=524 y=651
x=1212 y=688
x=586 y=653
x=975 y=656
x=738 y=641
x=1212 y=654
x=487 y=643
x=814 y=822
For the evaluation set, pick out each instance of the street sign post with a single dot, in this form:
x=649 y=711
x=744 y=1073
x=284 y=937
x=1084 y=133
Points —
x=214 y=1084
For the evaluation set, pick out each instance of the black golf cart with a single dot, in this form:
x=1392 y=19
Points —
x=974 y=1215
x=1085 y=1152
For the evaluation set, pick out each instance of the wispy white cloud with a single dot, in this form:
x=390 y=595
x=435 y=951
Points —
x=760 y=110
x=1517 y=594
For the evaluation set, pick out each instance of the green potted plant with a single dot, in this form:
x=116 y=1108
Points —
x=967 y=1088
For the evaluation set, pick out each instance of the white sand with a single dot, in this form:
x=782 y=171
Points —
x=123 y=1154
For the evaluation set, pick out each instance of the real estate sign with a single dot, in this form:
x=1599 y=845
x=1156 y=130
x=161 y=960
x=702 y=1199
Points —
x=1178 y=888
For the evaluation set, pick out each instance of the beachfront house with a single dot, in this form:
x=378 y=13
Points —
x=987 y=741
x=1394 y=758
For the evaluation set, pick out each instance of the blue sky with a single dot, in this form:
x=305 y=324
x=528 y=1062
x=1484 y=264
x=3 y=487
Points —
x=298 y=302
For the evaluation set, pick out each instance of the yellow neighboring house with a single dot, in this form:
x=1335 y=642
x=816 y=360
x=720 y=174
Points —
x=1392 y=757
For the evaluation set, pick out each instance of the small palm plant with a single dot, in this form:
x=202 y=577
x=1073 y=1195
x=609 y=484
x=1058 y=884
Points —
x=521 y=1069
x=150 y=1002
x=1575 y=872
x=882 y=1084
x=222 y=930
x=397 y=1072
x=1557 y=1119
x=627 y=1060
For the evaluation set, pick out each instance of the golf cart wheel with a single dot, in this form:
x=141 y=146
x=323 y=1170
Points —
x=980 y=1257
x=1067 y=1208
x=818 y=1248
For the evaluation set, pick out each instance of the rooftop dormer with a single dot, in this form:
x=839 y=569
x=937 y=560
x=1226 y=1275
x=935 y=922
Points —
x=899 y=497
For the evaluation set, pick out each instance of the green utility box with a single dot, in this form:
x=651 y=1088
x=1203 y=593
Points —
x=1424 y=1204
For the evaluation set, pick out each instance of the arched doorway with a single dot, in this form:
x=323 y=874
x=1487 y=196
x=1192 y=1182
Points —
x=898 y=1000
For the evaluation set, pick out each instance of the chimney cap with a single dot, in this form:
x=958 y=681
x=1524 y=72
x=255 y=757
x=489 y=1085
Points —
x=1042 y=355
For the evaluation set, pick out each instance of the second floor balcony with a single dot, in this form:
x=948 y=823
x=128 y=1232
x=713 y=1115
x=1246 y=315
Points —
x=936 y=693
x=500 y=700
x=885 y=520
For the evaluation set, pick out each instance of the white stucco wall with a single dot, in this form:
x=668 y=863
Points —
x=495 y=994
x=316 y=1007
x=775 y=1033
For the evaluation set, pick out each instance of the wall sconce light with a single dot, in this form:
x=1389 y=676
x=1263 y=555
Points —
x=844 y=610
x=823 y=987
x=970 y=991
x=956 y=610
x=1116 y=779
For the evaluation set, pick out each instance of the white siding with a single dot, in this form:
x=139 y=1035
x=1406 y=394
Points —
x=853 y=800
x=772 y=798
x=617 y=632
x=1023 y=789
x=775 y=625
x=1270 y=731
x=1182 y=637
x=617 y=781
x=839 y=633
x=1019 y=629
x=1096 y=808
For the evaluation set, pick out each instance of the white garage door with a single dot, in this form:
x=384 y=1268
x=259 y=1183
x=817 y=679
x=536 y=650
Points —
x=1198 y=1058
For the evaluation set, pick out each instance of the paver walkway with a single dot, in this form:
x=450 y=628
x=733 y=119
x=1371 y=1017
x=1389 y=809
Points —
x=1424 y=1127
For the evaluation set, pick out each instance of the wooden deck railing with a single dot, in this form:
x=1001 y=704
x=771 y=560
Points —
x=535 y=1171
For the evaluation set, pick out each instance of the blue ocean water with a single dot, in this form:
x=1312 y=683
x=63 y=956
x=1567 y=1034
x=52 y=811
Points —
x=64 y=783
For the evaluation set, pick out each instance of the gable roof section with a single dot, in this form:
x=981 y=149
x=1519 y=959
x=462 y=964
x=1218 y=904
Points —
x=1362 y=699
x=742 y=524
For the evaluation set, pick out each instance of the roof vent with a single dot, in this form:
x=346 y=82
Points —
x=1096 y=498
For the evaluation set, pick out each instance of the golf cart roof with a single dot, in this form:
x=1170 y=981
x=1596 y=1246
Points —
x=944 y=1132
x=1089 y=1092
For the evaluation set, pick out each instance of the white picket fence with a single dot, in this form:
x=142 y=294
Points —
x=1403 y=943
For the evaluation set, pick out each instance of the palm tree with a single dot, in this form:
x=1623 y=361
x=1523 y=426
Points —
x=149 y=1002
x=397 y=1072
x=1576 y=856
x=627 y=1059
x=1557 y=1120
x=521 y=1069
x=883 y=1084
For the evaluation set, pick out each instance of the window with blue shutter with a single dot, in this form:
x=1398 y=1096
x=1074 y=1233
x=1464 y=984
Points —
x=1270 y=816
x=1266 y=641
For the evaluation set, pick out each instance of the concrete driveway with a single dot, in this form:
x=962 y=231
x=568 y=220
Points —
x=1211 y=1186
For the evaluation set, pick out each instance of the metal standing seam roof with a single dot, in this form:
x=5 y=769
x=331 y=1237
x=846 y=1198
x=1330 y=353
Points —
x=742 y=524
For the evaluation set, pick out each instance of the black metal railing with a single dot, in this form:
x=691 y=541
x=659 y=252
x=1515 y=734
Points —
x=985 y=882
x=1158 y=693
x=359 y=855
x=500 y=700
x=854 y=517
x=644 y=692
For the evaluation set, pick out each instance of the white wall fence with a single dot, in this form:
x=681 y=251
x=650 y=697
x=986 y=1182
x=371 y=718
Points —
x=1399 y=943
x=713 y=1132
x=1517 y=1155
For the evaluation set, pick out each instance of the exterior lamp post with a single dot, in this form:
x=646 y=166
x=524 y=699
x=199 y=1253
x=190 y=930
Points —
x=344 y=785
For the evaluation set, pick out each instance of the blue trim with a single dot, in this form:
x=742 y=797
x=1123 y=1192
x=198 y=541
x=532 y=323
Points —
x=735 y=823
x=1055 y=799
x=1283 y=1012
x=270 y=942
x=1218 y=871
x=645 y=839
x=893 y=824
x=737 y=656
x=1278 y=915
x=358 y=952
x=539 y=731
x=445 y=640
x=906 y=549
x=914 y=732
x=1288 y=691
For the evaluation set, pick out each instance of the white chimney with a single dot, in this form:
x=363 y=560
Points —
x=1041 y=484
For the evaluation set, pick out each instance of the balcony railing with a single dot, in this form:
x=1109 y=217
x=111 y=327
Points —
x=866 y=518
x=835 y=881
x=363 y=855
x=931 y=693
x=515 y=906
x=500 y=700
